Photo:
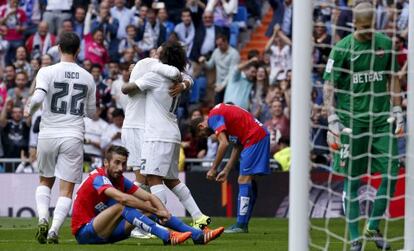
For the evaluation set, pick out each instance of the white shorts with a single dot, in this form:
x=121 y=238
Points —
x=132 y=139
x=160 y=159
x=61 y=157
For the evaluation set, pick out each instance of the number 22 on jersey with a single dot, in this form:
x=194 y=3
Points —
x=76 y=106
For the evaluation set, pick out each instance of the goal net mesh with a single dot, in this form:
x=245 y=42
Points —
x=361 y=183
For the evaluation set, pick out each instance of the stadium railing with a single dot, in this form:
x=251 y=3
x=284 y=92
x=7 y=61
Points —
x=199 y=165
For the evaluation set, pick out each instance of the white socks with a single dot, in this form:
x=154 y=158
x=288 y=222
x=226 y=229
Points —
x=43 y=202
x=184 y=195
x=61 y=211
x=160 y=192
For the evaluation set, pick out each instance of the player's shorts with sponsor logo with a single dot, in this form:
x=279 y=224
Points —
x=61 y=157
x=367 y=151
x=87 y=235
x=132 y=139
x=254 y=159
x=160 y=159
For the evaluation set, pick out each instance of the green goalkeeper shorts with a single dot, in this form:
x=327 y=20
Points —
x=367 y=151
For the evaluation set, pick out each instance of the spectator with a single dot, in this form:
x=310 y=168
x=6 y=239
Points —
x=124 y=15
x=21 y=63
x=223 y=58
x=33 y=10
x=94 y=129
x=105 y=22
x=93 y=48
x=112 y=134
x=118 y=97
x=4 y=46
x=113 y=73
x=223 y=11
x=129 y=41
x=240 y=84
x=56 y=12
x=259 y=92
x=286 y=25
x=3 y=91
x=152 y=34
x=197 y=8
x=186 y=30
x=279 y=49
x=39 y=43
x=46 y=60
x=15 y=19
x=103 y=92
x=321 y=39
x=174 y=9
x=136 y=10
x=279 y=123
x=10 y=76
x=20 y=93
x=129 y=56
x=15 y=130
x=194 y=146
x=67 y=26
x=78 y=21
x=163 y=18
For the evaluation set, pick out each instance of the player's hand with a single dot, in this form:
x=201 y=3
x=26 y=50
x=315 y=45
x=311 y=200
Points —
x=211 y=174
x=163 y=216
x=335 y=128
x=398 y=118
x=222 y=176
x=202 y=59
x=218 y=87
x=176 y=89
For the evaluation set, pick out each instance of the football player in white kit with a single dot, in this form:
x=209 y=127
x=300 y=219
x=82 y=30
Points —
x=160 y=150
x=67 y=92
x=134 y=123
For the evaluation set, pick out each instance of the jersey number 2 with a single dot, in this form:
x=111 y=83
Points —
x=75 y=99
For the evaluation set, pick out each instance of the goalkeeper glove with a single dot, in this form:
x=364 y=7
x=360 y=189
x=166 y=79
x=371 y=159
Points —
x=397 y=117
x=335 y=128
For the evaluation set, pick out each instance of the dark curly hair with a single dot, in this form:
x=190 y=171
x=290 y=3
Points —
x=173 y=54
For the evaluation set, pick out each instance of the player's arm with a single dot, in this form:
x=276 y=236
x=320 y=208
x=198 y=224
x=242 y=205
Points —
x=328 y=97
x=41 y=89
x=179 y=87
x=221 y=151
x=235 y=154
x=146 y=196
x=140 y=85
x=129 y=200
x=167 y=71
x=397 y=114
x=91 y=102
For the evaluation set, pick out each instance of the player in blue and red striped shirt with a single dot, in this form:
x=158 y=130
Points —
x=252 y=148
x=108 y=206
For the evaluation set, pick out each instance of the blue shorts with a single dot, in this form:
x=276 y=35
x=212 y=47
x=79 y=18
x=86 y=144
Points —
x=87 y=235
x=254 y=160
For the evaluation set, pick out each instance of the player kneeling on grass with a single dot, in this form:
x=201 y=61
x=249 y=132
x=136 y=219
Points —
x=252 y=149
x=108 y=206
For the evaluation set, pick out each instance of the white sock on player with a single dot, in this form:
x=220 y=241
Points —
x=43 y=202
x=160 y=192
x=61 y=211
x=184 y=195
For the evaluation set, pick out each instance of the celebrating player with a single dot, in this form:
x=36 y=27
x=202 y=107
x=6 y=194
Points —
x=162 y=135
x=108 y=206
x=252 y=148
x=68 y=92
x=134 y=123
x=361 y=71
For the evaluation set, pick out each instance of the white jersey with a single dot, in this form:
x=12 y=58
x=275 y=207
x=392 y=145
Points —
x=70 y=90
x=93 y=131
x=160 y=119
x=135 y=108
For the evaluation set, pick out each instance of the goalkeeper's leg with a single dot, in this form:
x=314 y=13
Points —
x=351 y=203
x=381 y=201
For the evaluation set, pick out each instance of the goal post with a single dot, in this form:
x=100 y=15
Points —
x=300 y=124
x=409 y=176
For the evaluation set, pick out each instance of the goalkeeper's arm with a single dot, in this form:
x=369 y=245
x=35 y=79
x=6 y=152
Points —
x=397 y=115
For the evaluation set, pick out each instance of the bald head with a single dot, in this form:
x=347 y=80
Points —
x=364 y=18
x=42 y=28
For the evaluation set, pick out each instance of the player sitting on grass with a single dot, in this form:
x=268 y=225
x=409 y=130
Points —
x=252 y=148
x=108 y=206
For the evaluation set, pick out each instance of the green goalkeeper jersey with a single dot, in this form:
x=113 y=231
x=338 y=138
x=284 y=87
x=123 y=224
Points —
x=360 y=72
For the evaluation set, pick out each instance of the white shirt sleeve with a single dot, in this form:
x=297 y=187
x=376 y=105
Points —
x=90 y=108
x=147 y=82
x=42 y=80
x=165 y=70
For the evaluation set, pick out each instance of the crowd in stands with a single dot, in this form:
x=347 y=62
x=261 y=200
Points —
x=117 y=33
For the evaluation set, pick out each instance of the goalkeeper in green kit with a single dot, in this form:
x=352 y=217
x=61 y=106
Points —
x=362 y=95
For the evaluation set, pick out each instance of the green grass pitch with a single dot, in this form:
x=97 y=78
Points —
x=265 y=234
